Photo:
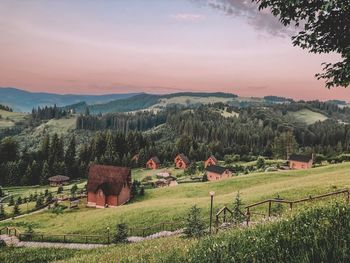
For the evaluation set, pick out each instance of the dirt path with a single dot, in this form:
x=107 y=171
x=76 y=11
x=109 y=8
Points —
x=59 y=245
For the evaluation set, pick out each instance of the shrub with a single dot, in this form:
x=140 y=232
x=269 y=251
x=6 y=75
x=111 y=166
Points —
x=19 y=200
x=194 y=225
x=121 y=235
x=1 y=192
x=73 y=190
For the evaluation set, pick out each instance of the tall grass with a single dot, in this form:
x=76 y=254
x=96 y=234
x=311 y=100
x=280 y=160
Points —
x=320 y=234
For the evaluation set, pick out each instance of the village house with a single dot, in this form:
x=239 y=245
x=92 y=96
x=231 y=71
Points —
x=181 y=161
x=215 y=172
x=58 y=180
x=210 y=161
x=300 y=161
x=153 y=163
x=108 y=186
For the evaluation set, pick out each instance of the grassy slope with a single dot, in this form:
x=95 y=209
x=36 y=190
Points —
x=173 y=203
x=10 y=118
x=308 y=116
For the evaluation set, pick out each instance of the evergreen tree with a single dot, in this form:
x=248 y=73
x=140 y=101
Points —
x=1 y=192
x=2 y=212
x=73 y=190
x=60 y=189
x=45 y=174
x=70 y=159
x=260 y=163
x=194 y=225
x=16 y=211
x=39 y=202
x=285 y=145
x=11 y=201
x=27 y=178
x=121 y=235
x=238 y=216
x=19 y=200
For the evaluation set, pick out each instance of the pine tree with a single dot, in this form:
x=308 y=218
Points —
x=27 y=178
x=39 y=202
x=45 y=174
x=70 y=159
x=238 y=217
x=121 y=235
x=16 y=210
x=11 y=201
x=2 y=212
x=260 y=163
x=73 y=190
x=60 y=189
x=1 y=192
x=194 y=225
x=19 y=200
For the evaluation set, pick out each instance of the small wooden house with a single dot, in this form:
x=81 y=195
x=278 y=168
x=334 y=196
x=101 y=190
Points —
x=296 y=161
x=58 y=180
x=108 y=186
x=181 y=161
x=215 y=172
x=153 y=163
x=210 y=161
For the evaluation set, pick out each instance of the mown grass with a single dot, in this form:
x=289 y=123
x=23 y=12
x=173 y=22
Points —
x=172 y=204
x=307 y=116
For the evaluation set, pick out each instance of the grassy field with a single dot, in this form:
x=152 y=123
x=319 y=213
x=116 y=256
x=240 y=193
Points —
x=172 y=204
x=8 y=119
x=308 y=116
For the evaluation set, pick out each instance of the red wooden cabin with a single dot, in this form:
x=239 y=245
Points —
x=108 y=186
x=153 y=163
x=210 y=161
x=215 y=173
x=181 y=161
x=300 y=161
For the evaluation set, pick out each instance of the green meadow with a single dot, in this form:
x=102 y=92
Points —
x=172 y=204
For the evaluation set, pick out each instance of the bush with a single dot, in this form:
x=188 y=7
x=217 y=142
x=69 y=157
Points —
x=60 y=189
x=39 y=202
x=2 y=212
x=121 y=235
x=16 y=210
x=11 y=201
x=194 y=225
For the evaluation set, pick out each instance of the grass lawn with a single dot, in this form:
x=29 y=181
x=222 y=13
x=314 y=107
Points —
x=172 y=204
x=25 y=191
x=308 y=116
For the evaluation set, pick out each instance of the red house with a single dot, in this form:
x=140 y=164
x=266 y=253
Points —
x=108 y=186
x=210 y=161
x=300 y=161
x=215 y=173
x=153 y=163
x=181 y=161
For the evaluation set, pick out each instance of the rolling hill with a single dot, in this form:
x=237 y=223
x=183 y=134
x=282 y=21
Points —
x=21 y=100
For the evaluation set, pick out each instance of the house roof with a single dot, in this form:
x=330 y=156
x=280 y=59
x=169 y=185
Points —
x=213 y=158
x=216 y=169
x=299 y=158
x=110 y=179
x=58 y=178
x=184 y=158
x=155 y=159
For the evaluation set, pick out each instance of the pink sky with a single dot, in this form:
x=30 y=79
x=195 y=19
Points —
x=159 y=47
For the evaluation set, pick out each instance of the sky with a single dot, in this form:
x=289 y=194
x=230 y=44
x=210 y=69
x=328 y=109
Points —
x=155 y=46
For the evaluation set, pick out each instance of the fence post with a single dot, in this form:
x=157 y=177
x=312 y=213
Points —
x=269 y=208
x=42 y=238
x=86 y=239
x=291 y=206
x=348 y=197
x=64 y=238
x=248 y=216
x=224 y=215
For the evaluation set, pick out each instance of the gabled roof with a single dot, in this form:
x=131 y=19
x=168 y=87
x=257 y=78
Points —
x=300 y=158
x=58 y=178
x=155 y=159
x=110 y=178
x=213 y=158
x=184 y=158
x=216 y=169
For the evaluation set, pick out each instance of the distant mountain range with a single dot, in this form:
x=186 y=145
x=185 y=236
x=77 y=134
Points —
x=21 y=100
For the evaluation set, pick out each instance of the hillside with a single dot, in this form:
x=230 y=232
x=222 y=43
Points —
x=172 y=204
x=307 y=116
x=21 y=100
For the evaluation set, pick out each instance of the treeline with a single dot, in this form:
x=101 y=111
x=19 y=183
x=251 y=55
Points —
x=5 y=108
x=48 y=113
x=33 y=168
x=125 y=122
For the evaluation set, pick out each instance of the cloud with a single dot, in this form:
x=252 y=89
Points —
x=262 y=20
x=188 y=17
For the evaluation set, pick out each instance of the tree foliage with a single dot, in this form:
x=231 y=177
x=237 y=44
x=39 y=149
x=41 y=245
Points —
x=325 y=29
